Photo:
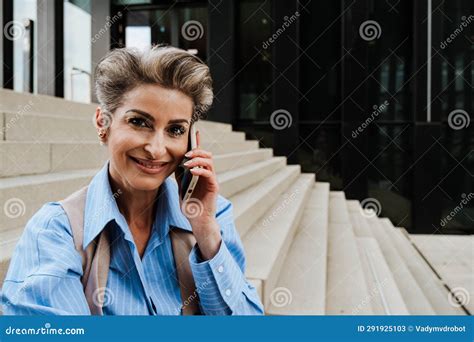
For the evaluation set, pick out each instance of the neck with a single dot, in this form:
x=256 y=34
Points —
x=137 y=206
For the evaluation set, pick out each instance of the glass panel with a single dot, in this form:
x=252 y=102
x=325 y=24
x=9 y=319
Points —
x=24 y=18
x=77 y=52
x=456 y=52
x=389 y=172
x=319 y=153
x=457 y=180
x=183 y=27
x=320 y=61
x=254 y=60
x=389 y=59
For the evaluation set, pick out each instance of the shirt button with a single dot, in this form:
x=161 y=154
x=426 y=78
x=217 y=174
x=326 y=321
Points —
x=220 y=269
x=228 y=292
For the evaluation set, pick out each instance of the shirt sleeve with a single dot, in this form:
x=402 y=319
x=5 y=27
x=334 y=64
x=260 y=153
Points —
x=220 y=281
x=44 y=273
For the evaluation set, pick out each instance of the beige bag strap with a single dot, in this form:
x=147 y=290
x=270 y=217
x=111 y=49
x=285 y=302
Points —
x=96 y=258
x=183 y=241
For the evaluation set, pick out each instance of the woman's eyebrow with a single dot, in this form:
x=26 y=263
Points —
x=145 y=114
x=179 y=121
x=151 y=118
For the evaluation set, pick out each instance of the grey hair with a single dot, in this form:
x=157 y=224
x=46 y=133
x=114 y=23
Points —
x=122 y=70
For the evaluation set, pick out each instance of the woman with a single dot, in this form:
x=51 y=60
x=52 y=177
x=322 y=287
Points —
x=148 y=101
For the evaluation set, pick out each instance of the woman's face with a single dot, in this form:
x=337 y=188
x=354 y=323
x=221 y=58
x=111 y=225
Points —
x=148 y=136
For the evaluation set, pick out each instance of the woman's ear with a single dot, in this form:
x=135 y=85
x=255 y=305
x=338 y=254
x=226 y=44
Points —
x=102 y=123
x=102 y=120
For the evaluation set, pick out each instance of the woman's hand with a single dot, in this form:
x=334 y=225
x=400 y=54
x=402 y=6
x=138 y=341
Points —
x=201 y=208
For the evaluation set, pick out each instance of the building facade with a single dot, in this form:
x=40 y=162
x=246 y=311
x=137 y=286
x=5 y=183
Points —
x=374 y=97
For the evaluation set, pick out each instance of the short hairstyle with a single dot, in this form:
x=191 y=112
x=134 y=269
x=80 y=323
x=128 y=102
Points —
x=123 y=69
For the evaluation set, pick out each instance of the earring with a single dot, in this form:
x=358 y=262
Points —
x=102 y=134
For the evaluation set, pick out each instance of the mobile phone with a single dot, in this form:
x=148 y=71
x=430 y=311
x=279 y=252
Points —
x=188 y=180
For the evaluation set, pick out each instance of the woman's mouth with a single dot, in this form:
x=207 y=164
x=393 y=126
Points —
x=148 y=166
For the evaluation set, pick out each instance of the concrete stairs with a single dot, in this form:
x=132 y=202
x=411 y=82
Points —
x=310 y=251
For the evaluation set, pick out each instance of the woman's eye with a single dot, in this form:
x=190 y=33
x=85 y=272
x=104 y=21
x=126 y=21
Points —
x=138 y=122
x=177 y=130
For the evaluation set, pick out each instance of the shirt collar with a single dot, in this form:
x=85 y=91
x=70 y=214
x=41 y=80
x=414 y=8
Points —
x=101 y=208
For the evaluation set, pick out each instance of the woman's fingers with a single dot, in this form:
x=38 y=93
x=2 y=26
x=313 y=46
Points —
x=202 y=172
x=198 y=139
x=199 y=161
x=197 y=152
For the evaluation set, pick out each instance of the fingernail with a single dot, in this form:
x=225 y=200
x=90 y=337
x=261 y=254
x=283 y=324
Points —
x=187 y=163
x=188 y=154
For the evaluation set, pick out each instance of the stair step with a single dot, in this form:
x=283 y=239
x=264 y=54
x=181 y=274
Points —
x=251 y=203
x=22 y=158
x=231 y=161
x=451 y=257
x=346 y=285
x=338 y=211
x=360 y=226
x=29 y=193
x=33 y=104
x=431 y=286
x=49 y=128
x=25 y=103
x=266 y=244
x=244 y=177
x=415 y=300
x=384 y=295
x=304 y=269
x=214 y=126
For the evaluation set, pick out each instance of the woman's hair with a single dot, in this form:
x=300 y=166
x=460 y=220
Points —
x=121 y=70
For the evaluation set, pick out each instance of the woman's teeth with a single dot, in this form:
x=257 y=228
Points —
x=149 y=165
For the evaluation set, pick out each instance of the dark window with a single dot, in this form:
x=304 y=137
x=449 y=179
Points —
x=254 y=69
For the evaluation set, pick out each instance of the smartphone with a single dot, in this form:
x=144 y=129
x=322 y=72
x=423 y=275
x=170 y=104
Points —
x=188 y=180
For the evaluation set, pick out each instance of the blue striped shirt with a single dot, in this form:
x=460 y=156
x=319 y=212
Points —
x=45 y=270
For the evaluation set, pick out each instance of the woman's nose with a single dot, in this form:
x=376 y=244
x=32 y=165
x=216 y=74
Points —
x=156 y=147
